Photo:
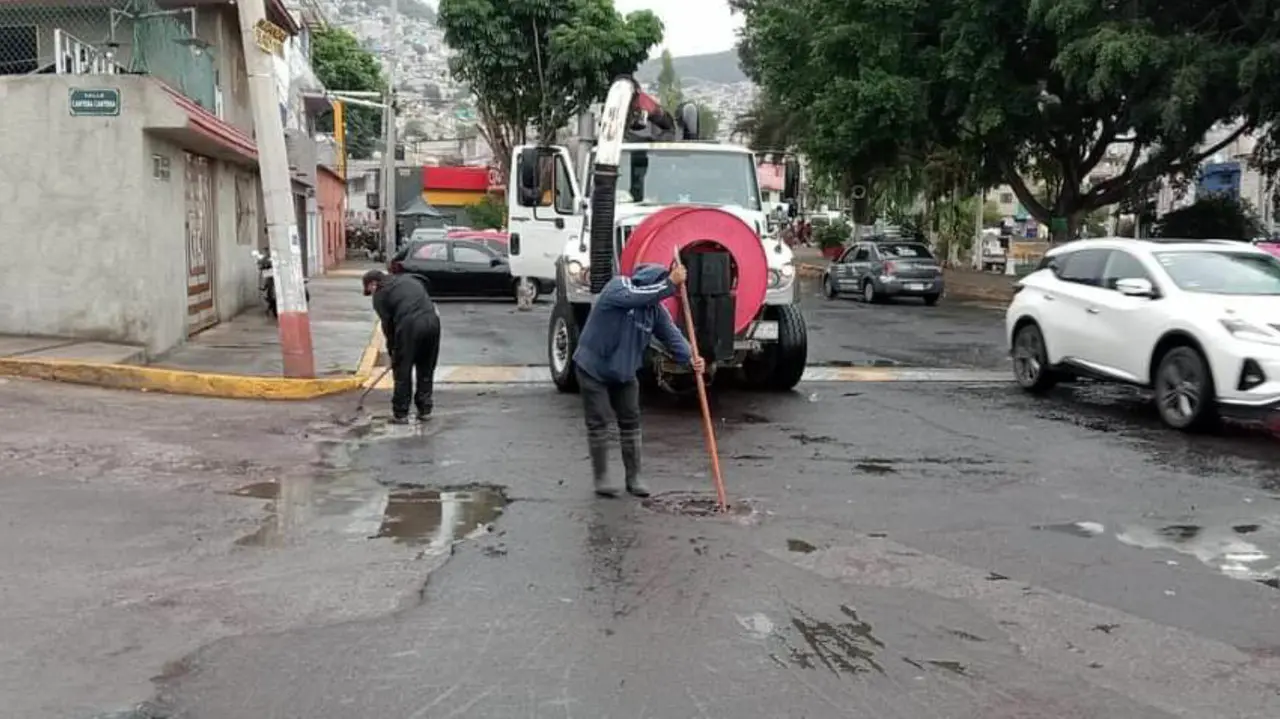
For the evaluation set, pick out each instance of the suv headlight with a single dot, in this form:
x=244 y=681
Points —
x=577 y=273
x=782 y=277
x=1250 y=332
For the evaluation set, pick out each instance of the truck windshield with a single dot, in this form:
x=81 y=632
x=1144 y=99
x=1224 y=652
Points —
x=668 y=177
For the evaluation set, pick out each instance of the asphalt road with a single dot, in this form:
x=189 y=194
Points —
x=841 y=333
x=896 y=550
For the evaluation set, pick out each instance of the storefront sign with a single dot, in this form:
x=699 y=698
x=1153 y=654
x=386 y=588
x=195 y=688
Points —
x=270 y=37
x=97 y=102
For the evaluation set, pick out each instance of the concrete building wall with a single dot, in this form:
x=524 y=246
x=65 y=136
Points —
x=81 y=219
x=219 y=25
x=94 y=242
x=332 y=197
x=236 y=272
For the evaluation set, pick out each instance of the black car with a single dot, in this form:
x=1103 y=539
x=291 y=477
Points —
x=879 y=269
x=457 y=268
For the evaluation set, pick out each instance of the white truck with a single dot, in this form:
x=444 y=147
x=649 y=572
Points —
x=638 y=160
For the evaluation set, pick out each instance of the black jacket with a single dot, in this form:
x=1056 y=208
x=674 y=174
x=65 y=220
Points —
x=404 y=307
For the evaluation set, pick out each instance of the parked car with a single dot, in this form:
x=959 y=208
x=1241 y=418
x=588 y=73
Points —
x=457 y=267
x=1196 y=321
x=876 y=270
x=495 y=240
x=1271 y=246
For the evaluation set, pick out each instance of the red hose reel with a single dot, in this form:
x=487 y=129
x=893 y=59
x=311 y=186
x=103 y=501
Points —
x=656 y=239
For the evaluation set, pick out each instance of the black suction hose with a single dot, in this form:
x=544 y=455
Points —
x=604 y=184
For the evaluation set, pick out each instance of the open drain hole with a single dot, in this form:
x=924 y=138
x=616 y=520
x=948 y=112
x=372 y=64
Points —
x=698 y=504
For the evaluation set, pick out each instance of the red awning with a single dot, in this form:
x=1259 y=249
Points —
x=456 y=179
x=207 y=125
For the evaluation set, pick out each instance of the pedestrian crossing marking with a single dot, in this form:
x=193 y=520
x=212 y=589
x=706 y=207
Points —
x=515 y=375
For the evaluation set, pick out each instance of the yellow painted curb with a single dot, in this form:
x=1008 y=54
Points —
x=346 y=273
x=200 y=384
x=172 y=381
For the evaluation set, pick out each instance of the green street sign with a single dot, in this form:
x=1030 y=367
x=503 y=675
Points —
x=97 y=102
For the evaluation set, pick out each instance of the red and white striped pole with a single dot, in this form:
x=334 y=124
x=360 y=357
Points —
x=261 y=40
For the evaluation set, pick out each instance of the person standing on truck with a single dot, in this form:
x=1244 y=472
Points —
x=411 y=325
x=611 y=350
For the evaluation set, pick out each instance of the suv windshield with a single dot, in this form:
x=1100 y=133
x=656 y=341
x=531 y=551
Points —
x=668 y=177
x=1222 y=273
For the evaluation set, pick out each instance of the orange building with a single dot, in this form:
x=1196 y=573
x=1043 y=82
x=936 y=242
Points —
x=331 y=201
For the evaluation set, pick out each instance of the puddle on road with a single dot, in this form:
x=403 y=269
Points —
x=357 y=508
x=800 y=546
x=1223 y=546
x=1220 y=547
x=1075 y=529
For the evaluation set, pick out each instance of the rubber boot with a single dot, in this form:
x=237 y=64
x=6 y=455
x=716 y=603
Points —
x=631 y=461
x=600 y=469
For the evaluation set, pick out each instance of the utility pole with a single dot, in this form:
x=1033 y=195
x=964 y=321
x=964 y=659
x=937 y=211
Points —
x=261 y=39
x=389 y=133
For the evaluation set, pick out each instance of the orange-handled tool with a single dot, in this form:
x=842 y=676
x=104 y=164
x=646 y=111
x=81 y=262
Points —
x=708 y=428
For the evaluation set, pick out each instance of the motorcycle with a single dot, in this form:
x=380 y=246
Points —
x=267 y=283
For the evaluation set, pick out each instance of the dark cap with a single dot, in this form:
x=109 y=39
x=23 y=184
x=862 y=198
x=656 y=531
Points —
x=372 y=276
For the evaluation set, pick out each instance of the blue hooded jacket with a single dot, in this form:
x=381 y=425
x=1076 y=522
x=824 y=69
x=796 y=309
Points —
x=625 y=316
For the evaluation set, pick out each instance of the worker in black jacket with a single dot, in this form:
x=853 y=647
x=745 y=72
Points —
x=412 y=328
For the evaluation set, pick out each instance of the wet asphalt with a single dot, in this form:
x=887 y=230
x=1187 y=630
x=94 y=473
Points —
x=893 y=550
x=842 y=332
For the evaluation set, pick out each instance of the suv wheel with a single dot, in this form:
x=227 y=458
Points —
x=869 y=292
x=829 y=288
x=1031 y=360
x=1184 y=390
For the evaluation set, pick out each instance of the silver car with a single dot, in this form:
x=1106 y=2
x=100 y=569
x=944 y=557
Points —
x=876 y=270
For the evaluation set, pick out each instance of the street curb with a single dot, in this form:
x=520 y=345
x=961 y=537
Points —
x=185 y=382
x=952 y=291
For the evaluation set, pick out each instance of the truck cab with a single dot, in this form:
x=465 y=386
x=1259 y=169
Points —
x=551 y=223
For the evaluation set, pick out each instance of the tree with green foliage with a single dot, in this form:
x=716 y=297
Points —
x=538 y=63
x=769 y=126
x=1216 y=217
x=488 y=214
x=1018 y=88
x=342 y=64
x=670 y=93
x=708 y=122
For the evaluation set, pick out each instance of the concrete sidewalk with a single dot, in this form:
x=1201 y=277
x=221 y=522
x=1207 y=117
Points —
x=238 y=359
x=341 y=325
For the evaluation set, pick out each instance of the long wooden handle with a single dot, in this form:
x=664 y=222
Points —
x=708 y=428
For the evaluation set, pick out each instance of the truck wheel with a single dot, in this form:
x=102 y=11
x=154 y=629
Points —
x=562 y=342
x=790 y=353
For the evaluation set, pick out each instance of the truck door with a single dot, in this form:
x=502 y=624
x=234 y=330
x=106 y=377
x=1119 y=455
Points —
x=541 y=225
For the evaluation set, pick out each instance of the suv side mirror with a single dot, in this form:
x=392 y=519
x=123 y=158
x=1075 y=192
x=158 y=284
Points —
x=527 y=177
x=1136 y=287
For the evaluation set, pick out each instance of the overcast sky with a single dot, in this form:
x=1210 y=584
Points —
x=693 y=27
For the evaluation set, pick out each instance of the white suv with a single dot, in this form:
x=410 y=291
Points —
x=1197 y=321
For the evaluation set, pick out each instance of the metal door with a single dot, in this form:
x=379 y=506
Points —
x=201 y=229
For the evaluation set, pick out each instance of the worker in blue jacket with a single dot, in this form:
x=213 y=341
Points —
x=626 y=315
